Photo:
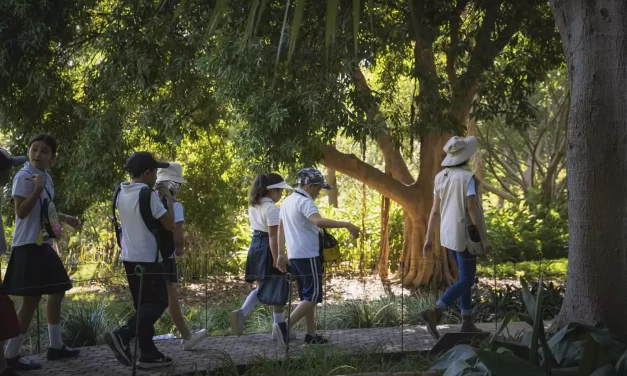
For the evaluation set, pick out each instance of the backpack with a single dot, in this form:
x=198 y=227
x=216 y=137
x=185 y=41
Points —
x=164 y=238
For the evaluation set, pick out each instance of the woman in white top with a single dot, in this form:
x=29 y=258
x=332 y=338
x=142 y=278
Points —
x=172 y=178
x=264 y=219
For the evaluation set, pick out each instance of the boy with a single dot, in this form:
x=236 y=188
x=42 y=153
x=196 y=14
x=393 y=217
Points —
x=139 y=248
x=9 y=326
x=300 y=226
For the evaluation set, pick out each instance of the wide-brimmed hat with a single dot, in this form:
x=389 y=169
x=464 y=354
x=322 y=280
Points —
x=174 y=172
x=459 y=150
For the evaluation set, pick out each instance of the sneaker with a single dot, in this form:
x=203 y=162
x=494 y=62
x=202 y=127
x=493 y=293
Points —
x=293 y=335
x=9 y=372
x=22 y=364
x=153 y=360
x=280 y=333
x=432 y=317
x=62 y=353
x=237 y=322
x=315 y=340
x=194 y=339
x=119 y=348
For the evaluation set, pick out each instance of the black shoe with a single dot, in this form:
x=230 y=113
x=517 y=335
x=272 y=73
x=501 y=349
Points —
x=280 y=332
x=21 y=364
x=62 y=353
x=315 y=340
x=9 y=372
x=119 y=348
x=153 y=360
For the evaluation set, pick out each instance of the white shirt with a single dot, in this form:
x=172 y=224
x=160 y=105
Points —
x=138 y=243
x=178 y=212
x=301 y=235
x=264 y=215
x=27 y=230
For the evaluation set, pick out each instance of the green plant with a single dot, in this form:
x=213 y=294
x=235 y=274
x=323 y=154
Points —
x=577 y=349
x=84 y=324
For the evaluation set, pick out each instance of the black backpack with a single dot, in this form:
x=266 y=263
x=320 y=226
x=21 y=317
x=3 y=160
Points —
x=165 y=238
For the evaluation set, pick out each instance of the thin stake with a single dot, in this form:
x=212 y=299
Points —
x=496 y=326
x=402 y=306
x=206 y=292
x=139 y=270
x=38 y=332
x=289 y=313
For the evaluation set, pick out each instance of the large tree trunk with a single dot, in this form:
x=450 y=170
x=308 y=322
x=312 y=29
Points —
x=595 y=45
x=331 y=178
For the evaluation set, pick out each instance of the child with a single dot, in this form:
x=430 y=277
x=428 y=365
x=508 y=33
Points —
x=9 y=325
x=35 y=269
x=140 y=249
x=172 y=178
x=262 y=256
x=299 y=227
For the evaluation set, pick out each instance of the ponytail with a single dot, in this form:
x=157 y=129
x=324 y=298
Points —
x=259 y=189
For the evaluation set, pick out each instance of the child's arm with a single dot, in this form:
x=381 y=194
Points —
x=70 y=221
x=24 y=205
x=273 y=234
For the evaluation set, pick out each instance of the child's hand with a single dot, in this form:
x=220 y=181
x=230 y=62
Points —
x=38 y=181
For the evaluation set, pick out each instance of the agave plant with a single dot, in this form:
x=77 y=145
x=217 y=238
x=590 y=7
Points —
x=576 y=350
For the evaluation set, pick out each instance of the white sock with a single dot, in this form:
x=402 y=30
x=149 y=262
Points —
x=13 y=347
x=278 y=317
x=54 y=333
x=250 y=303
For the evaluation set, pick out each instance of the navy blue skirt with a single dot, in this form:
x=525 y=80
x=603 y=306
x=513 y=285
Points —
x=35 y=270
x=259 y=262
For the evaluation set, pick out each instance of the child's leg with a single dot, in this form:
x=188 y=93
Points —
x=24 y=316
x=278 y=314
x=251 y=302
x=53 y=309
x=174 y=309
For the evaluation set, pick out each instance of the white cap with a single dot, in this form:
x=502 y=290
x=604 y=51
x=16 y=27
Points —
x=281 y=185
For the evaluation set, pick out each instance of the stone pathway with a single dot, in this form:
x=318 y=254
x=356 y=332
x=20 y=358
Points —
x=210 y=353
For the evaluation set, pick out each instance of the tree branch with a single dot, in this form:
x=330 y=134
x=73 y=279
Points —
x=500 y=193
x=350 y=165
x=451 y=52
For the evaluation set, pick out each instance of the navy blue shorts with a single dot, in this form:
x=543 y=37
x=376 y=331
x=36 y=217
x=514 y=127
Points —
x=308 y=274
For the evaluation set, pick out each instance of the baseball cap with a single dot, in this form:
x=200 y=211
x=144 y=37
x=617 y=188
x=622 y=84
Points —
x=312 y=176
x=142 y=161
x=7 y=160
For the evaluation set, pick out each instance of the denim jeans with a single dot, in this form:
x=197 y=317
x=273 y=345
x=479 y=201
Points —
x=467 y=265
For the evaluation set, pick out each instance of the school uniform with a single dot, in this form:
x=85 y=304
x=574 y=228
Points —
x=140 y=249
x=260 y=263
x=34 y=267
x=303 y=244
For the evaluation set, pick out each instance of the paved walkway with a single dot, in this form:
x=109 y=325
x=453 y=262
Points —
x=210 y=353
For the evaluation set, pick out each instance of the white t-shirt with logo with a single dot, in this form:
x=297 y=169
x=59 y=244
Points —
x=27 y=230
x=138 y=243
x=301 y=235
x=264 y=215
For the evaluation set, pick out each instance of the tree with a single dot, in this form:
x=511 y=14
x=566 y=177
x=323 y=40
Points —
x=453 y=52
x=593 y=35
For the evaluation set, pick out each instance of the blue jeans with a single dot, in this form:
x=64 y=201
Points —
x=467 y=265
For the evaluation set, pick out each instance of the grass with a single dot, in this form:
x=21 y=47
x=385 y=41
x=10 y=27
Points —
x=551 y=270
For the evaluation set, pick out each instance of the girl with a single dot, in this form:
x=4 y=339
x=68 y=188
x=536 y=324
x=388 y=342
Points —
x=262 y=256
x=172 y=178
x=35 y=269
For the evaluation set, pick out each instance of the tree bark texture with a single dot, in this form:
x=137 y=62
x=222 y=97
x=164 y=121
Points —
x=594 y=35
x=333 y=194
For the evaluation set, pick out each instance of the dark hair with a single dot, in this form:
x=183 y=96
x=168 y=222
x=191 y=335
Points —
x=259 y=189
x=46 y=139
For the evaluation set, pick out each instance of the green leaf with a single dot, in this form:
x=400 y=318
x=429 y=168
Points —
x=517 y=348
x=356 y=16
x=621 y=365
x=509 y=316
x=504 y=364
x=606 y=370
x=567 y=344
x=179 y=10
x=534 y=308
x=333 y=7
x=299 y=10
x=457 y=368
x=592 y=356
x=219 y=11
x=457 y=353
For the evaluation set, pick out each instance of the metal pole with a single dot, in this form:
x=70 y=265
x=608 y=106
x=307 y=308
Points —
x=38 y=330
x=289 y=313
x=139 y=270
x=402 y=306
x=496 y=325
x=206 y=292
